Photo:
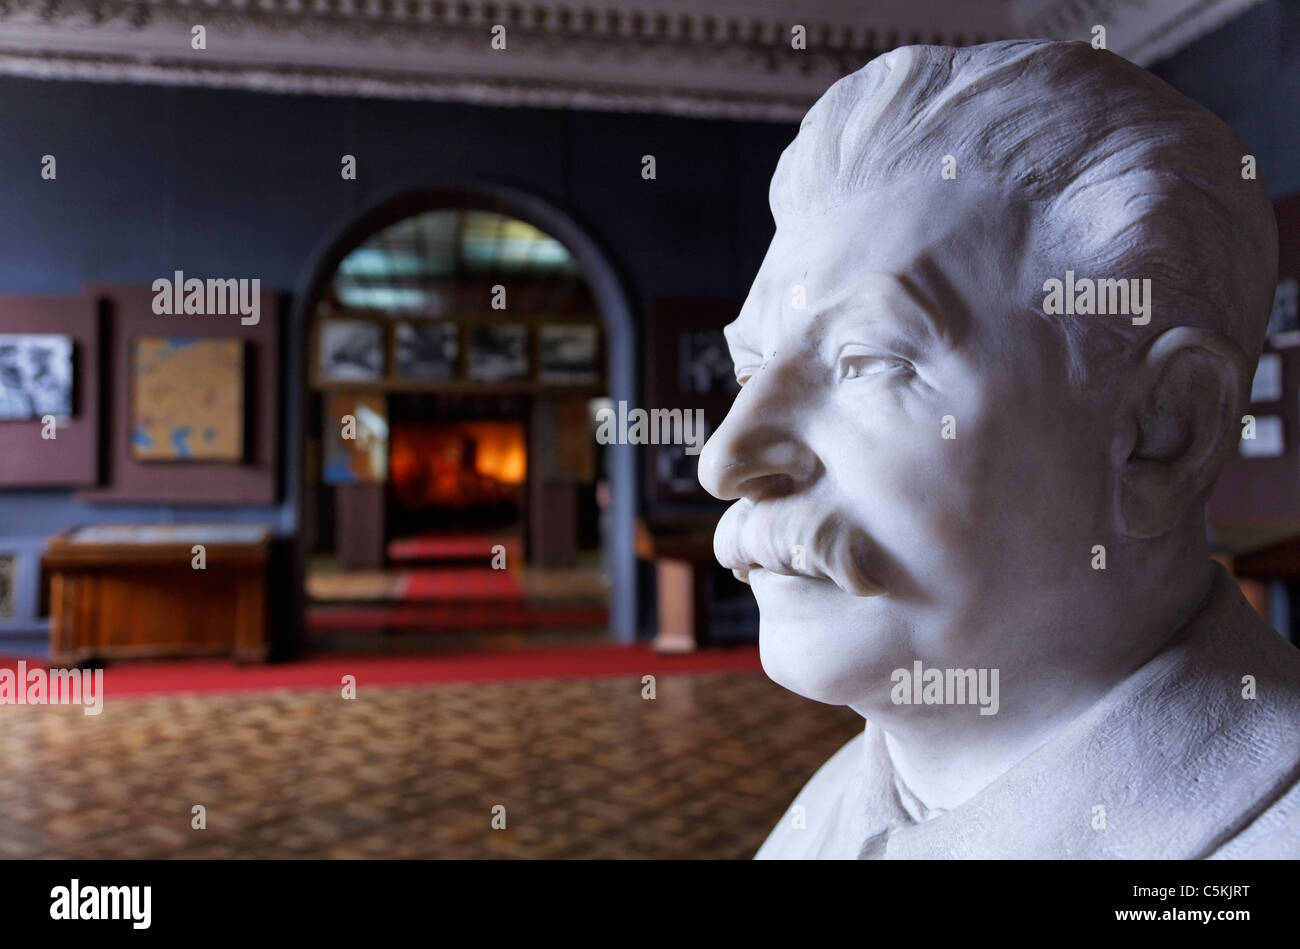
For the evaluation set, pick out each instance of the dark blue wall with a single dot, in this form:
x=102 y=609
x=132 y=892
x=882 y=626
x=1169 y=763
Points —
x=153 y=179
x=1248 y=74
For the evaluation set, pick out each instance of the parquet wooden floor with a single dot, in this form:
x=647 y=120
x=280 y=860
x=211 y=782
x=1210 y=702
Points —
x=584 y=769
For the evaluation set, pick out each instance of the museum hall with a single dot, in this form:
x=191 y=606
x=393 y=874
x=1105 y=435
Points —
x=356 y=361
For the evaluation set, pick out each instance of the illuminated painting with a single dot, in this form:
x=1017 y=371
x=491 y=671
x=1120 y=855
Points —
x=355 y=435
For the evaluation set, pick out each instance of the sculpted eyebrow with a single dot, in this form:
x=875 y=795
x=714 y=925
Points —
x=899 y=301
x=884 y=301
x=943 y=308
x=909 y=314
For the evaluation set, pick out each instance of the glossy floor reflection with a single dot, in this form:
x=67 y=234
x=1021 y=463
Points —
x=584 y=769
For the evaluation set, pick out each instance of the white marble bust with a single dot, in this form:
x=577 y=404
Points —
x=970 y=478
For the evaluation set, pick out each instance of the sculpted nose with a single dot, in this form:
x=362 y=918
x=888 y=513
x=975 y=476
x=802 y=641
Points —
x=755 y=455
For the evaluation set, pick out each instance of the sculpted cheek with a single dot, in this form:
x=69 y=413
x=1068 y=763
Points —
x=953 y=499
x=959 y=486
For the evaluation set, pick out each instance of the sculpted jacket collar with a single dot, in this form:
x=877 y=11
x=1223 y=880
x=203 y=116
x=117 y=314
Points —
x=1183 y=765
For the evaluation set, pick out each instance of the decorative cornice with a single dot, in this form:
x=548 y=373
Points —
x=1140 y=30
x=486 y=92
x=728 y=58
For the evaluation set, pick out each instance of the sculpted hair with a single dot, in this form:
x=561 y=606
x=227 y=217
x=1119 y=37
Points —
x=1128 y=177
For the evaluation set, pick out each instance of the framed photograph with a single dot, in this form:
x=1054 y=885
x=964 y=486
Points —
x=704 y=364
x=1268 y=441
x=8 y=586
x=685 y=365
x=426 y=350
x=1266 y=386
x=350 y=351
x=35 y=376
x=1284 y=321
x=187 y=399
x=676 y=471
x=569 y=355
x=498 y=353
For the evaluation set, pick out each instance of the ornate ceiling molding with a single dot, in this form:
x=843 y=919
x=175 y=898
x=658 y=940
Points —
x=1145 y=31
x=728 y=58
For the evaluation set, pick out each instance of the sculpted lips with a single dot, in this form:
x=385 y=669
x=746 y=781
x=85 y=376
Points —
x=748 y=538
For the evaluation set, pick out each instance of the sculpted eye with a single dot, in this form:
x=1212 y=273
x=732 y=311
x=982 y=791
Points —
x=856 y=362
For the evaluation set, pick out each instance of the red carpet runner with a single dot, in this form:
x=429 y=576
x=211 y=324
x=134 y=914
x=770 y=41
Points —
x=444 y=598
x=445 y=547
x=447 y=597
x=460 y=584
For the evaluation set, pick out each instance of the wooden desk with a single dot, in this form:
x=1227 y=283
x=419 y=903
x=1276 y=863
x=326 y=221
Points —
x=119 y=591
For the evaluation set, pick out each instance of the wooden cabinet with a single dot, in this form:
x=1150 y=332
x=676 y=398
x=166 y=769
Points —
x=119 y=591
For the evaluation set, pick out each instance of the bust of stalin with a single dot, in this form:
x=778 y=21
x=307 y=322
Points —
x=992 y=364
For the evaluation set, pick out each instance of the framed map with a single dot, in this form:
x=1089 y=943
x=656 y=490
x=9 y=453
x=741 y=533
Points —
x=187 y=399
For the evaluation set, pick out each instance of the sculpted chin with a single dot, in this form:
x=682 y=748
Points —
x=975 y=512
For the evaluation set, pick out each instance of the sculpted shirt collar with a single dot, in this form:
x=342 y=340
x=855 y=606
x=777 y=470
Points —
x=1172 y=763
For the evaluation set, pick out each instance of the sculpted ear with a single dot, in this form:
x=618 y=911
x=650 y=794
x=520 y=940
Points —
x=1183 y=421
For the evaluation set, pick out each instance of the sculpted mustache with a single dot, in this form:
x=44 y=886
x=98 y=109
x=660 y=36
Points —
x=832 y=550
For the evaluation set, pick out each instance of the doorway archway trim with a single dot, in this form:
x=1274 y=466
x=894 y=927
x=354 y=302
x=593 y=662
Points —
x=612 y=301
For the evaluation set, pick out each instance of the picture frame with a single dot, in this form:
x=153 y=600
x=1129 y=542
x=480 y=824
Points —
x=670 y=343
x=1266 y=384
x=360 y=456
x=350 y=350
x=499 y=353
x=704 y=364
x=36 y=376
x=1269 y=440
x=568 y=353
x=1284 y=320
x=8 y=585
x=676 y=471
x=188 y=399
x=426 y=350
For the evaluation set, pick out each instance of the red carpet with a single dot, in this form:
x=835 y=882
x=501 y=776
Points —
x=460 y=584
x=326 y=672
x=445 y=547
x=440 y=599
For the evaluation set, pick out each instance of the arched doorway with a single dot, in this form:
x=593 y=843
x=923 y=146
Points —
x=470 y=213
